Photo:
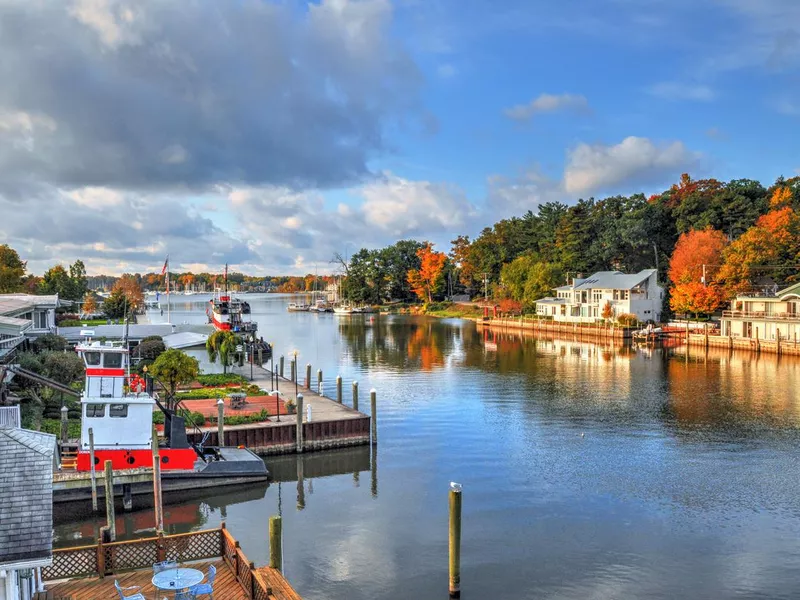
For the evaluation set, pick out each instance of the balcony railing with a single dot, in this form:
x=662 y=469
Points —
x=760 y=315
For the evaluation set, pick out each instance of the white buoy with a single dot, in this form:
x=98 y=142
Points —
x=308 y=414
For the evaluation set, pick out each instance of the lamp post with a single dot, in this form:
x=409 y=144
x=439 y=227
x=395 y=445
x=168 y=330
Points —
x=251 y=339
x=296 y=375
x=277 y=404
x=272 y=372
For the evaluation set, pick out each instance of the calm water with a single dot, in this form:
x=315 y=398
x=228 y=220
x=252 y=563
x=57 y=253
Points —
x=588 y=471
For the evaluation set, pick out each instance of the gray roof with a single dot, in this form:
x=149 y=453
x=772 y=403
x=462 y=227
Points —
x=13 y=304
x=614 y=280
x=115 y=332
x=26 y=494
x=551 y=301
x=563 y=288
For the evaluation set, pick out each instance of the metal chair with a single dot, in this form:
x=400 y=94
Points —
x=202 y=589
x=163 y=566
x=122 y=596
x=189 y=595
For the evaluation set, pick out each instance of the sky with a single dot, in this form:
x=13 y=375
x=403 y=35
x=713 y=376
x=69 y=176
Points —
x=271 y=134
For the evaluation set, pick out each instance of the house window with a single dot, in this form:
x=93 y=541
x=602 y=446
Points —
x=118 y=410
x=95 y=410
x=92 y=359
x=597 y=296
x=40 y=319
x=113 y=360
x=623 y=294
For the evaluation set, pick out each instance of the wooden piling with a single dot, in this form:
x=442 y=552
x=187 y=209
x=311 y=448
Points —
x=373 y=408
x=275 y=547
x=220 y=423
x=294 y=370
x=308 y=376
x=319 y=381
x=455 y=540
x=158 y=505
x=260 y=357
x=355 y=395
x=111 y=521
x=127 y=498
x=92 y=469
x=64 y=425
x=299 y=423
x=339 y=389
x=280 y=366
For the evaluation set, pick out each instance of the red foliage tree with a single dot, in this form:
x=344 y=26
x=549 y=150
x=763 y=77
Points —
x=693 y=250
x=695 y=298
x=423 y=281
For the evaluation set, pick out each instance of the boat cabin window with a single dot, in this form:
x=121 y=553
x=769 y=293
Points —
x=95 y=410
x=113 y=360
x=118 y=410
x=92 y=358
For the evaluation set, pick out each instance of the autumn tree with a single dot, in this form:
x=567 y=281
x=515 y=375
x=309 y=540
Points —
x=693 y=250
x=695 y=298
x=427 y=278
x=12 y=269
x=89 y=304
x=608 y=311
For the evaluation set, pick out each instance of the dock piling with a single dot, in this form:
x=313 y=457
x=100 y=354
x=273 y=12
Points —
x=92 y=469
x=275 y=546
x=294 y=369
x=260 y=357
x=220 y=423
x=319 y=381
x=455 y=540
x=299 y=423
x=64 y=425
x=355 y=395
x=308 y=376
x=339 y=389
x=127 y=498
x=373 y=408
x=111 y=521
x=280 y=366
x=158 y=505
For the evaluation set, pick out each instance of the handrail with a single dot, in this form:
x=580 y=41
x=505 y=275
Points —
x=745 y=314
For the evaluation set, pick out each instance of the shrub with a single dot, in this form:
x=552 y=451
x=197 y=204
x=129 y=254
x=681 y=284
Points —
x=627 y=319
x=60 y=318
x=54 y=426
x=50 y=341
x=70 y=323
x=220 y=379
x=149 y=349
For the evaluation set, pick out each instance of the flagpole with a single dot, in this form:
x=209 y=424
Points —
x=169 y=320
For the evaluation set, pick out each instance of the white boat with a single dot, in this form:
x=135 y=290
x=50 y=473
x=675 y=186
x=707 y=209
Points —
x=188 y=293
x=295 y=307
x=343 y=310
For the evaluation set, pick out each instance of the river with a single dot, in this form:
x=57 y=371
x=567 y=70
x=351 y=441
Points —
x=589 y=471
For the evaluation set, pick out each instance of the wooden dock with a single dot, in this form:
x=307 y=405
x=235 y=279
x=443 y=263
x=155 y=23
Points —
x=581 y=330
x=89 y=572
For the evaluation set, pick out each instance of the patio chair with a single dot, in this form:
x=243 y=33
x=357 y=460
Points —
x=189 y=595
x=163 y=566
x=121 y=590
x=202 y=589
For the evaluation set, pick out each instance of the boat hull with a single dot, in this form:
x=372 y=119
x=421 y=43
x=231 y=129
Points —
x=171 y=459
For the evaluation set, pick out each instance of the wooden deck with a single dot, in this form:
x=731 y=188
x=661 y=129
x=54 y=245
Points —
x=226 y=586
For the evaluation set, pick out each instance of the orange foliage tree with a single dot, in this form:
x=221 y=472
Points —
x=89 y=304
x=695 y=298
x=424 y=280
x=128 y=285
x=509 y=306
x=782 y=196
x=693 y=250
x=608 y=311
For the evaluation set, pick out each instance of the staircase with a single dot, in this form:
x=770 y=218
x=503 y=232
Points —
x=69 y=456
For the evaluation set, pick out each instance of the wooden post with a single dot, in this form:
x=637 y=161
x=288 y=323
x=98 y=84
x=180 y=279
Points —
x=92 y=469
x=111 y=522
x=339 y=386
x=100 y=557
x=308 y=377
x=455 y=540
x=127 y=498
x=275 y=548
x=355 y=395
x=779 y=343
x=260 y=357
x=64 y=425
x=301 y=490
x=373 y=408
x=758 y=343
x=158 y=506
x=299 y=423
x=319 y=381
x=220 y=423
x=293 y=368
x=280 y=366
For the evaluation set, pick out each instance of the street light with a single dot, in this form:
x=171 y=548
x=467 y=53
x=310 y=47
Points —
x=277 y=404
x=251 y=339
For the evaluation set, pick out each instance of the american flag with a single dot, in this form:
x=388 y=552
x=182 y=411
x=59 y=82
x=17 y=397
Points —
x=166 y=264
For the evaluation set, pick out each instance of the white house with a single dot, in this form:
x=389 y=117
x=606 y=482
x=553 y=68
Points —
x=764 y=317
x=26 y=504
x=583 y=301
x=25 y=315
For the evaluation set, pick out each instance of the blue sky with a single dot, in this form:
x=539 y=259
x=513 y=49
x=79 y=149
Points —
x=269 y=134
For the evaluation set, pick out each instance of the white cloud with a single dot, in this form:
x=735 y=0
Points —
x=109 y=19
x=674 y=90
x=446 y=71
x=634 y=160
x=547 y=103
x=96 y=197
x=517 y=195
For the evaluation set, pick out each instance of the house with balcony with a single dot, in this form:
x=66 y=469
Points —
x=764 y=316
x=584 y=299
x=25 y=315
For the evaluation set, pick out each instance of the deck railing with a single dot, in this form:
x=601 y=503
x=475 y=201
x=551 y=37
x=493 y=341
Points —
x=110 y=558
x=760 y=315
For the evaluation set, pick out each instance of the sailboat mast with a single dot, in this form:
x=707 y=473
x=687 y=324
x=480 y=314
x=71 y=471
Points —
x=169 y=320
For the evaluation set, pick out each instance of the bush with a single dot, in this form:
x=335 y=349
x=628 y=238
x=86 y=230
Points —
x=150 y=349
x=627 y=319
x=50 y=341
x=219 y=379
x=258 y=417
x=66 y=317
x=54 y=426
x=70 y=323
x=195 y=417
x=212 y=392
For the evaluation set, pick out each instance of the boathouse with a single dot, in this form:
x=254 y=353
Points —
x=584 y=299
x=26 y=504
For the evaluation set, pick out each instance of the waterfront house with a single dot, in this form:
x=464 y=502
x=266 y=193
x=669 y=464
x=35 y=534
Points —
x=765 y=315
x=27 y=460
x=23 y=316
x=584 y=299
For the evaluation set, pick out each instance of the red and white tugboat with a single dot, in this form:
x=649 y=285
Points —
x=227 y=313
x=119 y=410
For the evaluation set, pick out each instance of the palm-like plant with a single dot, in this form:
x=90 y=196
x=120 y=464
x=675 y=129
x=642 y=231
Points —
x=222 y=344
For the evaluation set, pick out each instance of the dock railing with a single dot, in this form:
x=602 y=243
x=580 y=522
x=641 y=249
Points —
x=101 y=559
